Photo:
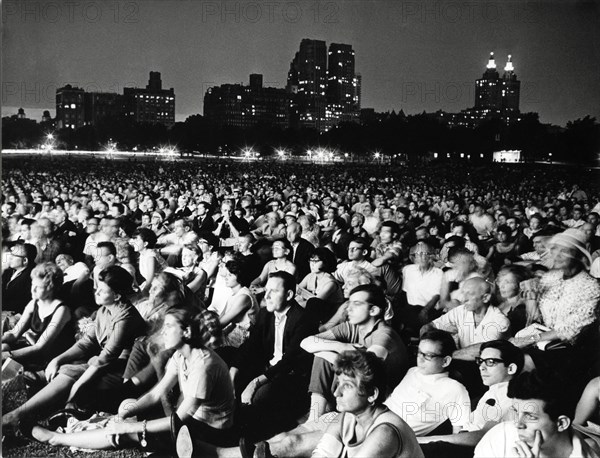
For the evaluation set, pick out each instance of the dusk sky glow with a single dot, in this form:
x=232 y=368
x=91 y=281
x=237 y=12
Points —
x=412 y=55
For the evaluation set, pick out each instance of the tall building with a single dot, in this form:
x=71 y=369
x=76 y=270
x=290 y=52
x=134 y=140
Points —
x=343 y=87
x=70 y=107
x=511 y=88
x=246 y=106
x=307 y=80
x=153 y=104
x=495 y=97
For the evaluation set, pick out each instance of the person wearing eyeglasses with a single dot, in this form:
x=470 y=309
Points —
x=358 y=250
x=427 y=397
x=16 y=279
x=499 y=362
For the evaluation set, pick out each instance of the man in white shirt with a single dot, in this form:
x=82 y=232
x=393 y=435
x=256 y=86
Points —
x=427 y=397
x=422 y=283
x=543 y=426
x=499 y=362
x=357 y=257
x=473 y=322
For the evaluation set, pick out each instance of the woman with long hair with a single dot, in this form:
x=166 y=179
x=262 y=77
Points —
x=207 y=406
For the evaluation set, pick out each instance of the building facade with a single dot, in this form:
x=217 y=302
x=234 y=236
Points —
x=246 y=106
x=152 y=105
x=70 y=107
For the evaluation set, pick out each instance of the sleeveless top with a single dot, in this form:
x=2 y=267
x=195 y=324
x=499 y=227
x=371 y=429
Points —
x=236 y=334
x=38 y=325
x=347 y=447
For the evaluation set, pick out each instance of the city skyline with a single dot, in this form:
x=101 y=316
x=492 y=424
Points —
x=413 y=56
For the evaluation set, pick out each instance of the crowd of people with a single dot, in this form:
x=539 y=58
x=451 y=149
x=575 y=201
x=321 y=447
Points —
x=275 y=309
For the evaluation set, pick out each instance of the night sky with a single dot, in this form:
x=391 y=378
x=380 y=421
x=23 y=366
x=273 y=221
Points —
x=412 y=55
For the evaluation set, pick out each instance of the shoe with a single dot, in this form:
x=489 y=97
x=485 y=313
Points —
x=263 y=450
x=60 y=418
x=184 y=444
x=246 y=448
x=24 y=428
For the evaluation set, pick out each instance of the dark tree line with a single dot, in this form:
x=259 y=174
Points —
x=412 y=136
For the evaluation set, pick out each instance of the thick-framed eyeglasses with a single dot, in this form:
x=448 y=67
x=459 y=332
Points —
x=428 y=356
x=489 y=362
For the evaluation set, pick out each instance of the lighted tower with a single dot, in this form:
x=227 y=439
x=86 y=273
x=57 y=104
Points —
x=487 y=93
x=511 y=88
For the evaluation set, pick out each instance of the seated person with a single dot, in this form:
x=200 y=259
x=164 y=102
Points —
x=510 y=300
x=473 y=322
x=190 y=272
x=272 y=230
x=543 y=426
x=319 y=287
x=44 y=330
x=241 y=308
x=567 y=296
x=280 y=262
x=427 y=397
x=421 y=287
x=366 y=427
x=271 y=371
x=88 y=373
x=358 y=251
x=206 y=410
x=365 y=328
x=499 y=362
x=16 y=280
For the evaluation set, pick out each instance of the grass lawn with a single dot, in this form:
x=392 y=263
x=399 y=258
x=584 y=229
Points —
x=21 y=447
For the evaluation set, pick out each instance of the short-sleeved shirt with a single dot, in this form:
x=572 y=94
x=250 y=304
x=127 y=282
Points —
x=421 y=287
x=205 y=376
x=425 y=401
x=461 y=324
x=382 y=335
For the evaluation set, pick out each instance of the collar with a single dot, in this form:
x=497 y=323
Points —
x=374 y=328
x=431 y=377
x=281 y=315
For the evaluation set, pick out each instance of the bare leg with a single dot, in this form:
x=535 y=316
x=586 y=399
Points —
x=100 y=439
x=97 y=439
x=52 y=396
x=296 y=445
x=318 y=406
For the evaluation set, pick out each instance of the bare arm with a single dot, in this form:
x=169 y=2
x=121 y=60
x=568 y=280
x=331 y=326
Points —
x=589 y=402
x=198 y=282
x=468 y=353
x=59 y=320
x=235 y=307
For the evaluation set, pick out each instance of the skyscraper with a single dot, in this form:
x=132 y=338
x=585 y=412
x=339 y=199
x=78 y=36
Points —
x=511 y=88
x=495 y=97
x=307 y=80
x=343 y=86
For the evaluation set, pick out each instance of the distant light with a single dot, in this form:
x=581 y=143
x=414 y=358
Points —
x=377 y=155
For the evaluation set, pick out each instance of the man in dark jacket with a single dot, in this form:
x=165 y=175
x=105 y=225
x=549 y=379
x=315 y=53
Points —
x=271 y=370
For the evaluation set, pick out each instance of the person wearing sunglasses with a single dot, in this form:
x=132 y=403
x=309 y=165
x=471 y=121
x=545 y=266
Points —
x=499 y=362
